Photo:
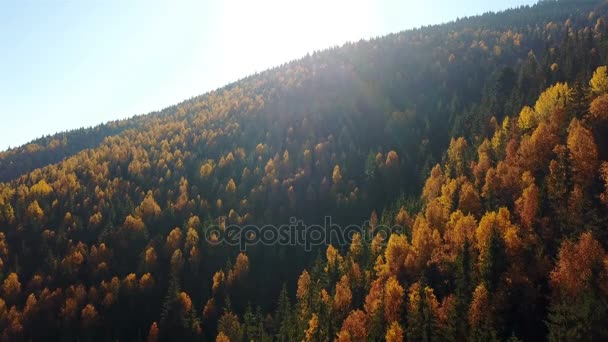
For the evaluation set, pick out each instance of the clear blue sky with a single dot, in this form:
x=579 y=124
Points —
x=69 y=64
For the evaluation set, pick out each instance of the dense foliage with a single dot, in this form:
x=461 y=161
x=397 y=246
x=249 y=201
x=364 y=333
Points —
x=103 y=231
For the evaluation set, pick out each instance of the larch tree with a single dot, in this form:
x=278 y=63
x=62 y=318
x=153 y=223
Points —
x=343 y=297
x=481 y=316
x=583 y=153
x=394 y=333
x=354 y=325
x=599 y=81
x=577 y=310
x=393 y=300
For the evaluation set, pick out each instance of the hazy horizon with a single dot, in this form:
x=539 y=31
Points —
x=73 y=65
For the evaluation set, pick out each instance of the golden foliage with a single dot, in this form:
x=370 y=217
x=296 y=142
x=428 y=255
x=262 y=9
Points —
x=425 y=242
x=460 y=228
x=374 y=298
x=356 y=245
x=174 y=239
x=3 y=245
x=343 y=336
x=134 y=224
x=393 y=300
x=499 y=222
x=41 y=189
x=218 y=281
x=150 y=257
x=527 y=119
x=260 y=149
x=396 y=254
x=583 y=153
x=177 y=261
x=130 y=282
x=11 y=287
x=95 y=219
x=336 y=175
x=599 y=81
x=527 y=205
x=303 y=285
x=355 y=326
x=89 y=315
x=552 y=99
x=480 y=305
x=392 y=159
x=394 y=333
x=221 y=337
x=31 y=306
x=69 y=310
x=207 y=168
x=191 y=238
x=432 y=187
x=455 y=165
x=229 y=325
x=148 y=207
x=313 y=327
x=35 y=211
x=598 y=111
x=240 y=269
x=146 y=281
x=231 y=186
x=343 y=296
x=578 y=265
x=185 y=301
x=403 y=218
x=334 y=259
x=468 y=199
x=535 y=151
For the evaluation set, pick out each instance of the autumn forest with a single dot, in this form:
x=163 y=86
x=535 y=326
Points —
x=484 y=140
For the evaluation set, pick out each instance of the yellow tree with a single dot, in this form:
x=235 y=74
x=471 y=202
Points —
x=422 y=313
x=393 y=300
x=148 y=207
x=599 y=81
x=583 y=153
x=598 y=111
x=394 y=333
x=313 y=329
x=396 y=254
x=456 y=162
x=552 y=99
x=89 y=316
x=527 y=119
x=432 y=187
x=468 y=199
x=579 y=281
x=354 y=326
x=481 y=315
x=303 y=292
x=34 y=211
x=527 y=205
x=343 y=296
x=11 y=287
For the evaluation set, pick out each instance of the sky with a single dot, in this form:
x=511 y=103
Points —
x=71 y=64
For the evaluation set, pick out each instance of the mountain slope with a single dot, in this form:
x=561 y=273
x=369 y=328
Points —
x=114 y=235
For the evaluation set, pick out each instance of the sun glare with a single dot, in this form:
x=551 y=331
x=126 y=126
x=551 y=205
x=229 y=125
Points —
x=276 y=30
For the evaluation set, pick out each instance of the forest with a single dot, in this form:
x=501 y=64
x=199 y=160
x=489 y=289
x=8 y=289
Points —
x=484 y=141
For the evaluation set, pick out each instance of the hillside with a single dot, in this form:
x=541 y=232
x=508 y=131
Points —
x=483 y=140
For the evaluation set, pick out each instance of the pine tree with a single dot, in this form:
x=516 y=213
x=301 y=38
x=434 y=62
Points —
x=283 y=317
